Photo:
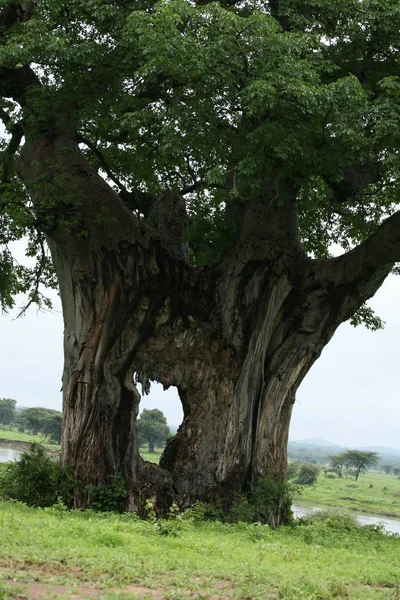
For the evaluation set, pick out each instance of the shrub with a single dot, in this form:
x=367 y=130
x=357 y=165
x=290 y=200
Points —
x=36 y=479
x=107 y=497
x=268 y=501
x=331 y=520
x=292 y=469
x=307 y=474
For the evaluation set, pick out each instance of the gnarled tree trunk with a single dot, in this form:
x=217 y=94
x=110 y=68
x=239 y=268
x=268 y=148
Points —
x=236 y=339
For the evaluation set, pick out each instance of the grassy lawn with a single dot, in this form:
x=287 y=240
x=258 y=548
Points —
x=12 y=434
x=112 y=557
x=372 y=493
x=153 y=457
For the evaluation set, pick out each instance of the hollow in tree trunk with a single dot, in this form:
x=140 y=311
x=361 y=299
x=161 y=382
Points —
x=235 y=338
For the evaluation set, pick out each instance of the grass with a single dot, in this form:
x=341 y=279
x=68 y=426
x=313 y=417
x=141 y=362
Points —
x=373 y=493
x=119 y=555
x=12 y=434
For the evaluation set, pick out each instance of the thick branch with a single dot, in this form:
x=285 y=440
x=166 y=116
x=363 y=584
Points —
x=354 y=277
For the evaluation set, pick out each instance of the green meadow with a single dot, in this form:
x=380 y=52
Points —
x=374 y=493
x=72 y=554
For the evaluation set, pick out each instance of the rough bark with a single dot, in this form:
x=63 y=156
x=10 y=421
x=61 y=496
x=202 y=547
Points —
x=236 y=339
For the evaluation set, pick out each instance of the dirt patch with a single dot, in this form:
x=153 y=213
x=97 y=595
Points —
x=352 y=485
x=17 y=589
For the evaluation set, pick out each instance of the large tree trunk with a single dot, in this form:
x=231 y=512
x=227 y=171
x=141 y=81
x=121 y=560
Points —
x=236 y=339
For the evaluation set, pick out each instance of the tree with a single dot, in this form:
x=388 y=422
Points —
x=360 y=461
x=41 y=420
x=152 y=428
x=307 y=474
x=396 y=471
x=337 y=462
x=190 y=165
x=386 y=468
x=7 y=410
x=51 y=427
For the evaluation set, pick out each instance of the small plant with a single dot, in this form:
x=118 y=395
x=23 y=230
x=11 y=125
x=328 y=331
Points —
x=107 y=496
x=203 y=511
x=172 y=525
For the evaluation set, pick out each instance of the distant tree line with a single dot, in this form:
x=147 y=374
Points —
x=35 y=420
x=46 y=421
x=7 y=411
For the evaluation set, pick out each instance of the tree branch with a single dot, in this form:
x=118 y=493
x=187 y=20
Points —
x=354 y=277
x=134 y=199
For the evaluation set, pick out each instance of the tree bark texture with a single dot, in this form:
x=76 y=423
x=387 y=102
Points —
x=236 y=338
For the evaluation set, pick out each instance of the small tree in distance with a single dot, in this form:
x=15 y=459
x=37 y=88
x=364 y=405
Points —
x=361 y=461
x=152 y=428
x=7 y=410
x=386 y=468
x=337 y=462
x=396 y=470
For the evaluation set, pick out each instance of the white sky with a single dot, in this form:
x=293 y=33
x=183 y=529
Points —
x=351 y=395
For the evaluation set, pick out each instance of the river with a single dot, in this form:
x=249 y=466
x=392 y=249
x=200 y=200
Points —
x=391 y=525
x=7 y=454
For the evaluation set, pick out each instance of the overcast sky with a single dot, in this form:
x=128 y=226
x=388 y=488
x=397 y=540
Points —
x=351 y=395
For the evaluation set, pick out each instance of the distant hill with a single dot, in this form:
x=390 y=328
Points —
x=315 y=442
x=317 y=450
x=380 y=450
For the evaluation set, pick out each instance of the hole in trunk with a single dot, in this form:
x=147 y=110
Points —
x=168 y=402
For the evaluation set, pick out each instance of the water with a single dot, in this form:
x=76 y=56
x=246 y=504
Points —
x=7 y=454
x=391 y=525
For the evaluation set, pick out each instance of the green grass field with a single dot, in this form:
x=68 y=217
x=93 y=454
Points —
x=13 y=435
x=373 y=493
x=112 y=557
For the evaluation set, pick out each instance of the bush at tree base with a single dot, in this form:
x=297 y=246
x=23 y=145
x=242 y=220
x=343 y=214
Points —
x=36 y=479
x=266 y=500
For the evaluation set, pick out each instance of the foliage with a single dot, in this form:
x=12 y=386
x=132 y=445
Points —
x=386 y=468
x=267 y=500
x=209 y=559
x=199 y=92
x=307 y=474
x=172 y=525
x=360 y=460
x=41 y=420
x=292 y=469
x=36 y=479
x=7 y=411
x=152 y=428
x=108 y=496
x=337 y=463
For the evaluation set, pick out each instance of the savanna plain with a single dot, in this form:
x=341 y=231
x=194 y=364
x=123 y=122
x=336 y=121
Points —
x=56 y=553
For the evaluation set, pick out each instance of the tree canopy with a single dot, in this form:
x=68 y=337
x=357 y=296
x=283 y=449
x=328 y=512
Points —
x=152 y=428
x=212 y=99
x=7 y=410
x=360 y=460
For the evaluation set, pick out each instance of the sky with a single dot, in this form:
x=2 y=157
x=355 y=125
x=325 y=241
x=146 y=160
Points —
x=350 y=396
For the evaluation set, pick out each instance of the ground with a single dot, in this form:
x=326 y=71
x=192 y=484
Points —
x=118 y=557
